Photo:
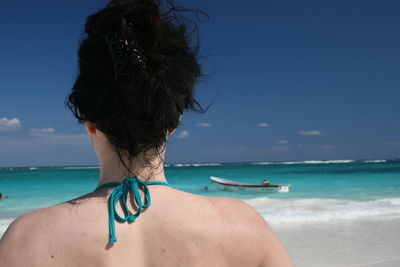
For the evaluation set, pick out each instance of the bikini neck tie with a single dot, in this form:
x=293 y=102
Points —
x=120 y=193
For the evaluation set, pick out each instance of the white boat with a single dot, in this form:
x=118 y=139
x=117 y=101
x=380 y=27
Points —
x=228 y=185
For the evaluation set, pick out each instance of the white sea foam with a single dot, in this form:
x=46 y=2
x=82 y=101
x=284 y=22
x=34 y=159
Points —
x=196 y=164
x=376 y=161
x=306 y=162
x=319 y=162
x=4 y=223
x=297 y=211
x=328 y=161
x=80 y=168
x=181 y=165
x=205 y=164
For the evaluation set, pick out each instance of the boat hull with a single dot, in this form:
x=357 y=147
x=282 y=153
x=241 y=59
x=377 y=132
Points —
x=227 y=185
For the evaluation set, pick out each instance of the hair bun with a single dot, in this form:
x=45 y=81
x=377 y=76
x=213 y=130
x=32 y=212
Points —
x=110 y=18
x=136 y=112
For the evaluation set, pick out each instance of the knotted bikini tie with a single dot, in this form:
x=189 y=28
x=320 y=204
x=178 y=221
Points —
x=120 y=193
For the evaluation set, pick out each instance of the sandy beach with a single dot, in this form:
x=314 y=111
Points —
x=367 y=242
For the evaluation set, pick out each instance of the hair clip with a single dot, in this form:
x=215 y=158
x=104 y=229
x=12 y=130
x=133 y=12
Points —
x=122 y=47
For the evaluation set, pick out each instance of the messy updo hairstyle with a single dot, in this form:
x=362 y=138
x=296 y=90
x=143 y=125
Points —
x=138 y=65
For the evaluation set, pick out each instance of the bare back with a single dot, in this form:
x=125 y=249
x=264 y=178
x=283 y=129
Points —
x=179 y=229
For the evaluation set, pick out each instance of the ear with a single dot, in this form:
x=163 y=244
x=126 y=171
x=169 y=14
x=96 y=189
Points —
x=171 y=132
x=90 y=127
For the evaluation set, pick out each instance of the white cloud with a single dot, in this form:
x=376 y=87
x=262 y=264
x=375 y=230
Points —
x=203 y=124
x=263 y=125
x=49 y=134
x=12 y=124
x=310 y=132
x=299 y=145
x=69 y=137
x=43 y=131
x=282 y=142
x=183 y=134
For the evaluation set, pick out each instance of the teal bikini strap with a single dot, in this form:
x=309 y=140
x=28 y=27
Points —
x=120 y=193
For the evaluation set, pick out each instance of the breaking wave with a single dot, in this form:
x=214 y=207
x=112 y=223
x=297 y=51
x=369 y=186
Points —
x=298 y=211
x=318 y=162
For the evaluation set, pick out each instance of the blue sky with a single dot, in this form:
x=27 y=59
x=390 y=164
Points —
x=293 y=80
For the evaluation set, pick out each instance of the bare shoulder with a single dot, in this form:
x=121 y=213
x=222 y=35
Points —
x=239 y=209
x=27 y=233
x=251 y=232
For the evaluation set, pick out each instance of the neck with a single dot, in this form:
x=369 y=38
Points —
x=112 y=170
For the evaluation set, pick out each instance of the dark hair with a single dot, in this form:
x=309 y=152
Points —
x=138 y=65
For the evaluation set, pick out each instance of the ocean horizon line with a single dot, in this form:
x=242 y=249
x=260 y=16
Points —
x=206 y=164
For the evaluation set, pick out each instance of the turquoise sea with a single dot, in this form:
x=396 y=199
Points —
x=321 y=190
